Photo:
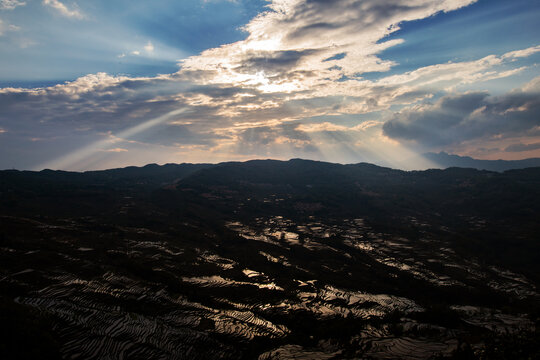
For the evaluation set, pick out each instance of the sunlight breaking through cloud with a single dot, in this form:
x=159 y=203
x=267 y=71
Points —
x=345 y=81
x=79 y=156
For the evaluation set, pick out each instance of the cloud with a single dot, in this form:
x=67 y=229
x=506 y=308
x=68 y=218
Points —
x=7 y=27
x=63 y=9
x=116 y=150
x=325 y=126
x=11 y=4
x=456 y=118
x=149 y=47
x=171 y=134
x=303 y=50
x=274 y=141
x=221 y=115
x=293 y=87
x=522 y=147
x=300 y=45
x=101 y=102
x=522 y=53
x=2 y=131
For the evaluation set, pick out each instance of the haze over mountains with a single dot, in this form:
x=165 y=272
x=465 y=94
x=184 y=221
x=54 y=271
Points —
x=441 y=160
x=445 y=160
x=270 y=260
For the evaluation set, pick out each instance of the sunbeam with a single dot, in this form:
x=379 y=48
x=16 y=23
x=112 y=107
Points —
x=74 y=159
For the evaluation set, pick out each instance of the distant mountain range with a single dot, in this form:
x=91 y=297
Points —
x=445 y=160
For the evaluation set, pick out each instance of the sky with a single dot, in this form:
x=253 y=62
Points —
x=102 y=84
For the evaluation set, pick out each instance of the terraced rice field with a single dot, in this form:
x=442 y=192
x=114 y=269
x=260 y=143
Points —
x=274 y=289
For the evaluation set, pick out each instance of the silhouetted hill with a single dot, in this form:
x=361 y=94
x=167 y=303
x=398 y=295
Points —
x=151 y=175
x=295 y=172
x=446 y=160
x=379 y=189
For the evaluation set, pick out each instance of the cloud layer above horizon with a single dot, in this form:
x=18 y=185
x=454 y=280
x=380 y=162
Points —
x=343 y=81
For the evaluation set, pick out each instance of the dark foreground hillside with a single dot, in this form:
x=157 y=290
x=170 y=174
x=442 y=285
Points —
x=270 y=260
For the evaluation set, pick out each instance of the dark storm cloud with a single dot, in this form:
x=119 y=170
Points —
x=457 y=118
x=274 y=61
x=98 y=101
x=322 y=16
x=105 y=103
x=522 y=147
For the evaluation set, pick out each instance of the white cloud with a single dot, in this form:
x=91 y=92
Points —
x=522 y=53
x=363 y=96
x=325 y=126
x=25 y=43
x=149 y=47
x=298 y=45
x=4 y=28
x=116 y=150
x=10 y=4
x=299 y=50
x=63 y=9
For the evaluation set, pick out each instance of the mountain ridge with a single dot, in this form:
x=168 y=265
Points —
x=446 y=160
